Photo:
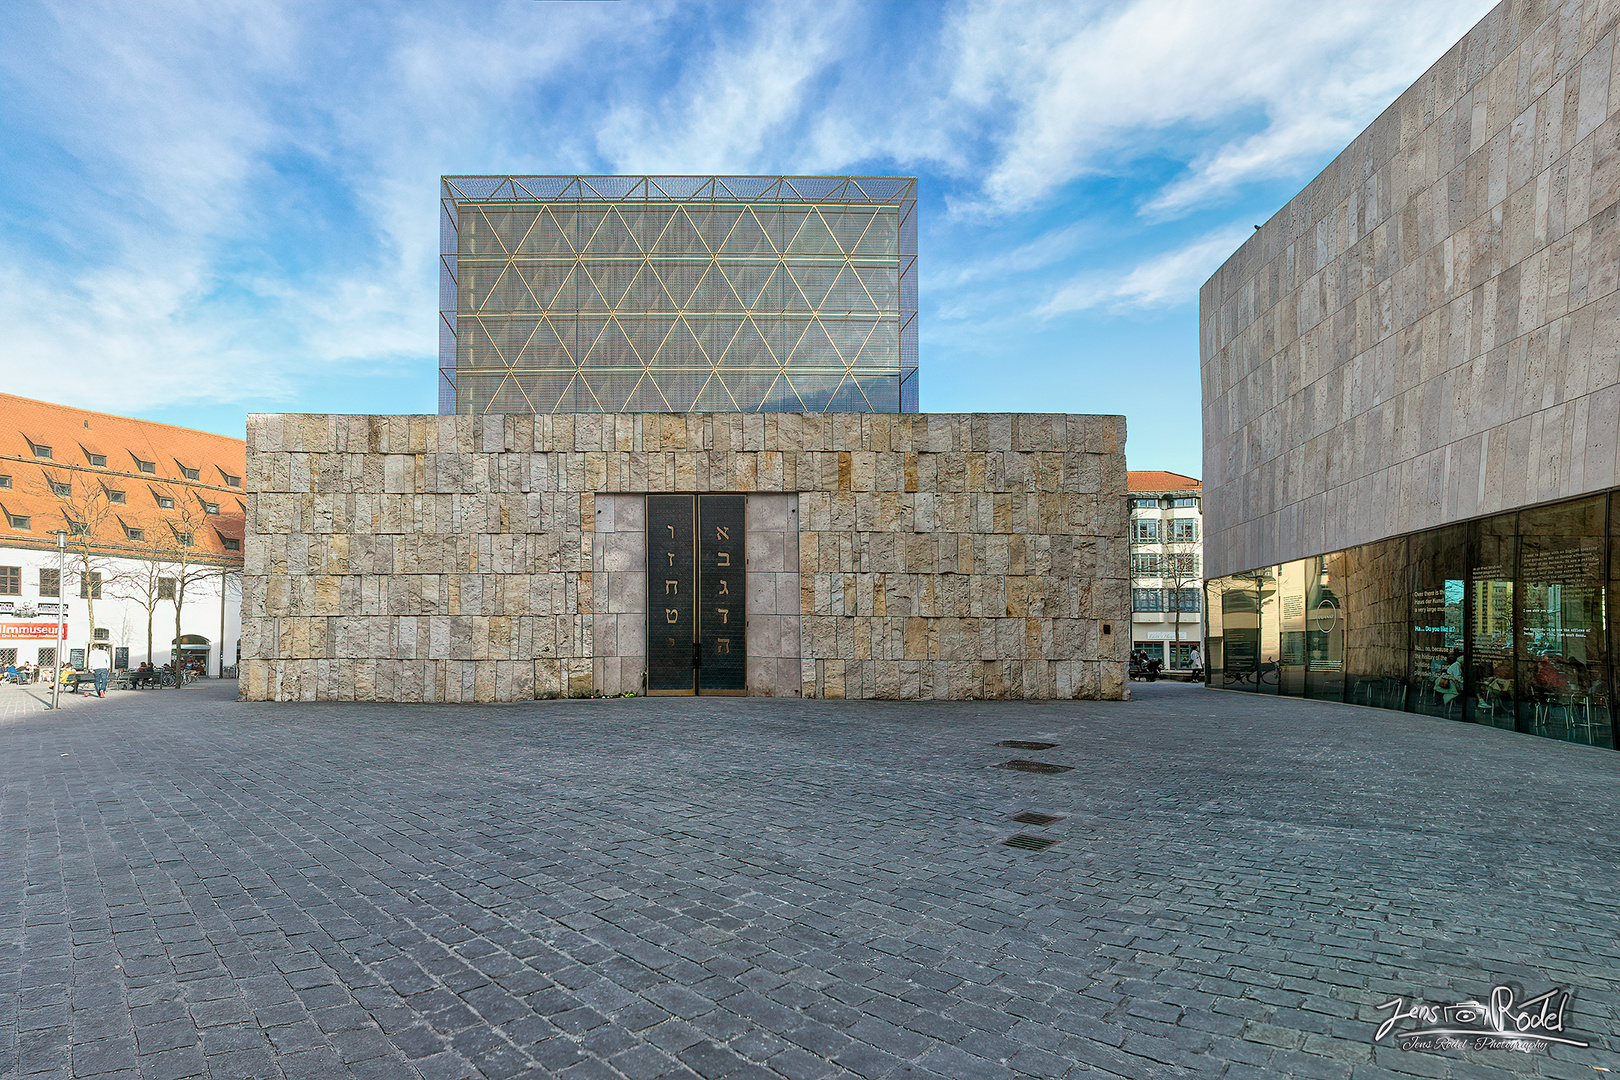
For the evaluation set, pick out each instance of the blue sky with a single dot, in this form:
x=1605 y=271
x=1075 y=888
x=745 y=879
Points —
x=216 y=208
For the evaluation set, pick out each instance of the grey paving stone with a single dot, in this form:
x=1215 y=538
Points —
x=795 y=889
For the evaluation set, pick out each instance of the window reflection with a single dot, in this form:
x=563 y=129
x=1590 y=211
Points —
x=1494 y=546
x=1562 y=654
x=1508 y=621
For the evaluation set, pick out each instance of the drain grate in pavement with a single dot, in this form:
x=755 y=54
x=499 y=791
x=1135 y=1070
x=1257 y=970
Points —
x=1025 y=744
x=1029 y=843
x=1021 y=765
x=1030 y=817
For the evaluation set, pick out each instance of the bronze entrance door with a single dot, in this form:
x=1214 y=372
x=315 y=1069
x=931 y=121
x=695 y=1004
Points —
x=696 y=617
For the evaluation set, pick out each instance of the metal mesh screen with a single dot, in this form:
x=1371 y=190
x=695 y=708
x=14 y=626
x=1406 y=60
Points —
x=655 y=294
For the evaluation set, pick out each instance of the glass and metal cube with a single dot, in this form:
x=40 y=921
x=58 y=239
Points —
x=678 y=294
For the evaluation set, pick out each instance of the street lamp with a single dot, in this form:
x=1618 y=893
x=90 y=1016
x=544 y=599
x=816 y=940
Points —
x=61 y=600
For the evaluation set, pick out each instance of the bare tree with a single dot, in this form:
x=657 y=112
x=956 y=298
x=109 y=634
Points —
x=183 y=561
x=89 y=521
x=1181 y=575
x=146 y=581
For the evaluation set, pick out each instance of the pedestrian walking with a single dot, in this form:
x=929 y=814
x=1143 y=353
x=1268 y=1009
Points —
x=100 y=665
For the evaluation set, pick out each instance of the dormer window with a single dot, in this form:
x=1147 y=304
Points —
x=61 y=489
x=99 y=460
x=210 y=508
x=40 y=451
x=149 y=467
x=165 y=501
x=232 y=481
x=232 y=543
x=19 y=521
x=115 y=496
x=133 y=533
x=189 y=474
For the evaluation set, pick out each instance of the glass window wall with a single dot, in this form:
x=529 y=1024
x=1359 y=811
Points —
x=1508 y=621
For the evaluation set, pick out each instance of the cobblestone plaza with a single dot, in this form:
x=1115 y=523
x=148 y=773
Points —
x=747 y=887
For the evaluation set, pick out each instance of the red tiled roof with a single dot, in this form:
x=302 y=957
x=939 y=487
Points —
x=1161 y=481
x=77 y=439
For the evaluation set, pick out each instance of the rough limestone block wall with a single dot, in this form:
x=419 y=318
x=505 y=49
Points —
x=1430 y=331
x=772 y=522
x=454 y=558
x=619 y=593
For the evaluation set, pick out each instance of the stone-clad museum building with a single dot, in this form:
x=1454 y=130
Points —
x=504 y=557
x=1411 y=379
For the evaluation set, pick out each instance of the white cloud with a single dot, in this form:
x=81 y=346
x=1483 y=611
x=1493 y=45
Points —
x=735 y=104
x=1087 y=89
x=1167 y=279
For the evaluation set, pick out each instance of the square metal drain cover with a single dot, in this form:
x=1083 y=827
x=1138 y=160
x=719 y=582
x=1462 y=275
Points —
x=1029 y=843
x=1025 y=744
x=1033 y=766
x=1030 y=817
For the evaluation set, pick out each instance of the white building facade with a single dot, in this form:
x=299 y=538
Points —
x=1167 y=566
x=115 y=527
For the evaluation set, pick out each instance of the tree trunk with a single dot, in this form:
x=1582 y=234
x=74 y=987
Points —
x=174 y=656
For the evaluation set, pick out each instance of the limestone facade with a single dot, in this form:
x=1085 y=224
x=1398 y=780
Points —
x=1430 y=330
x=503 y=557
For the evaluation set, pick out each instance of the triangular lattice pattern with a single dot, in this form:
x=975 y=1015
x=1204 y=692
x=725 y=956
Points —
x=580 y=296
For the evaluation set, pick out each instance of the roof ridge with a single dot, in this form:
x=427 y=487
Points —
x=125 y=419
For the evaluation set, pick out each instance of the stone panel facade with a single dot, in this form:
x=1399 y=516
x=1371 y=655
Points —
x=1430 y=331
x=500 y=558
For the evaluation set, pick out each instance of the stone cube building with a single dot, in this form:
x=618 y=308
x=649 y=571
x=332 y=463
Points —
x=511 y=557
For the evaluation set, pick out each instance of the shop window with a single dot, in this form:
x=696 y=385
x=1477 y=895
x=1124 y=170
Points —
x=90 y=586
x=50 y=583
x=10 y=581
x=1147 y=599
x=20 y=521
x=1562 y=652
x=1492 y=685
x=1181 y=655
x=1183 y=530
x=1145 y=530
x=1154 y=650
